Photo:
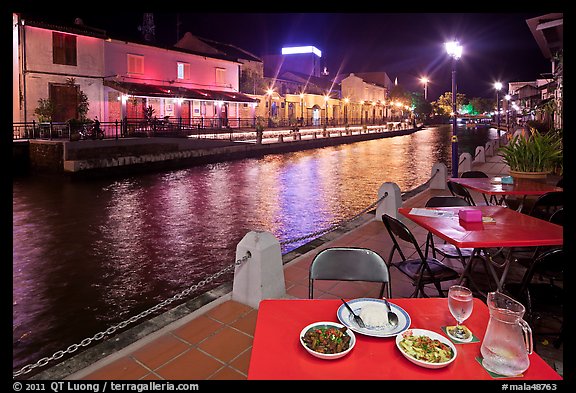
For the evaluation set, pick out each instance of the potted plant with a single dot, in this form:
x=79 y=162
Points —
x=534 y=155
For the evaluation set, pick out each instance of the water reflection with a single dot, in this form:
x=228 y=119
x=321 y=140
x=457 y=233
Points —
x=90 y=254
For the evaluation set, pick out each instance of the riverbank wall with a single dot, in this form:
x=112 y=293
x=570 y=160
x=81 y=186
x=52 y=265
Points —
x=96 y=158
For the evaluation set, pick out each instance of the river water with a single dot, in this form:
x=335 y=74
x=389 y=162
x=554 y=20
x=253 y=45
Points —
x=88 y=254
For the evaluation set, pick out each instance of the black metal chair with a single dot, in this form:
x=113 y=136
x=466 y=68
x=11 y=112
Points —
x=349 y=264
x=548 y=207
x=422 y=270
x=547 y=204
x=541 y=291
x=447 y=250
x=461 y=191
x=482 y=175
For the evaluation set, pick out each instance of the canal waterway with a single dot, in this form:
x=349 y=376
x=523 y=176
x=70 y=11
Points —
x=88 y=254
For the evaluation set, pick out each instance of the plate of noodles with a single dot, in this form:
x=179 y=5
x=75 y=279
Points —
x=426 y=348
x=374 y=314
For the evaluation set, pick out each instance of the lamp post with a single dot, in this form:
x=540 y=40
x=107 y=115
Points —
x=301 y=109
x=498 y=87
x=425 y=81
x=454 y=50
x=507 y=97
x=269 y=93
x=346 y=102
x=326 y=97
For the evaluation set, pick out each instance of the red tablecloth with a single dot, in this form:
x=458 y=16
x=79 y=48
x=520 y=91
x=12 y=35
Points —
x=510 y=229
x=519 y=187
x=278 y=354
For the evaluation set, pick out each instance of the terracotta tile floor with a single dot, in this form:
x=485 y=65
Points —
x=217 y=344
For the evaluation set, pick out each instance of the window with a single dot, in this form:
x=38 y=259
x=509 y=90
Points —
x=183 y=70
x=220 y=76
x=135 y=64
x=63 y=48
x=65 y=99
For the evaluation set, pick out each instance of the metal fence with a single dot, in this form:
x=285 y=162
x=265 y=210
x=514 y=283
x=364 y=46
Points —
x=202 y=127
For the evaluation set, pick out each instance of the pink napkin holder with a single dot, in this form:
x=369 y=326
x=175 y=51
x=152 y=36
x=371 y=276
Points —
x=470 y=215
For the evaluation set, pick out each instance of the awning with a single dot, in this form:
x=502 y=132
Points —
x=147 y=90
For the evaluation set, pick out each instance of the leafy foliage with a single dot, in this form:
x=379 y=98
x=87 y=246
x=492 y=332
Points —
x=45 y=110
x=537 y=152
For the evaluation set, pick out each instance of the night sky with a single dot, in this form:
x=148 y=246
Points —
x=497 y=46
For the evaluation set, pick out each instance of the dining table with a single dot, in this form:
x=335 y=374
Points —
x=500 y=228
x=494 y=188
x=277 y=353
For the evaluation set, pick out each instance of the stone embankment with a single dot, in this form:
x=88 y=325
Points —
x=132 y=155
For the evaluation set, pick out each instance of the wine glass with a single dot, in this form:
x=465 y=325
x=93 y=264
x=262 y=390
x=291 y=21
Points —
x=460 y=303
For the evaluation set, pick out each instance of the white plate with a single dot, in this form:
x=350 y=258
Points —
x=433 y=336
x=346 y=318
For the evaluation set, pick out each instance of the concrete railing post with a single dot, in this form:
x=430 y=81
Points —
x=280 y=138
x=439 y=177
x=390 y=204
x=496 y=145
x=465 y=162
x=479 y=154
x=489 y=149
x=261 y=276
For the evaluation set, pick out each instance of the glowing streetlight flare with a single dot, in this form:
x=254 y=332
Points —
x=454 y=49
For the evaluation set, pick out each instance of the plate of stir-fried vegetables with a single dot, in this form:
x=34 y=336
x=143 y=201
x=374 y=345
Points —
x=426 y=348
x=327 y=340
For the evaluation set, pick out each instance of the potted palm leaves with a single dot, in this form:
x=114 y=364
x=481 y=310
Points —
x=534 y=155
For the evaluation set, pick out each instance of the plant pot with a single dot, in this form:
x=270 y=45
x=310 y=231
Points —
x=528 y=175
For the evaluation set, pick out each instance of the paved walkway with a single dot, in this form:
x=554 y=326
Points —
x=215 y=341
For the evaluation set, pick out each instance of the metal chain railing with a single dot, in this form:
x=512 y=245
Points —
x=335 y=226
x=407 y=194
x=112 y=329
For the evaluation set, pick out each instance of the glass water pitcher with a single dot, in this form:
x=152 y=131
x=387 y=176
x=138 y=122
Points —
x=508 y=339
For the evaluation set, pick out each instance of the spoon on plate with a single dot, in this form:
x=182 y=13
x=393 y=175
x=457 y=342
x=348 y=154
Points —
x=392 y=317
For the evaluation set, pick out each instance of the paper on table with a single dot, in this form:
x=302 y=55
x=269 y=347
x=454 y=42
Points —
x=431 y=212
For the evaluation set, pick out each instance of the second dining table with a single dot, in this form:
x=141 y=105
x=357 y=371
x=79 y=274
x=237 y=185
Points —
x=494 y=187
x=507 y=229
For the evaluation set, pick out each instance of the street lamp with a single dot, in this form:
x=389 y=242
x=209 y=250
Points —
x=507 y=97
x=302 y=109
x=454 y=50
x=498 y=87
x=269 y=92
x=326 y=97
x=425 y=81
x=346 y=102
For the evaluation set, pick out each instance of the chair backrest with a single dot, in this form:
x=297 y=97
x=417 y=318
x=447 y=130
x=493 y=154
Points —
x=547 y=204
x=444 y=201
x=550 y=263
x=560 y=182
x=476 y=174
x=399 y=231
x=349 y=264
x=459 y=190
x=558 y=217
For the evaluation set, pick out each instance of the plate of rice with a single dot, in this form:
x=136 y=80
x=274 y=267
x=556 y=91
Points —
x=374 y=314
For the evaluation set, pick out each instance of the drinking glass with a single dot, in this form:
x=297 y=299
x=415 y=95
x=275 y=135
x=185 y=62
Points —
x=460 y=303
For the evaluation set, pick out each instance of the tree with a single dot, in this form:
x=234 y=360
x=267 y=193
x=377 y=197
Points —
x=443 y=105
x=482 y=105
x=399 y=94
x=45 y=110
x=422 y=108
